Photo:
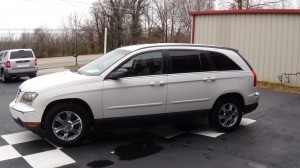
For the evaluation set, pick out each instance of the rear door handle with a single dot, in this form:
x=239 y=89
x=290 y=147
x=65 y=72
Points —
x=158 y=83
x=161 y=83
x=210 y=79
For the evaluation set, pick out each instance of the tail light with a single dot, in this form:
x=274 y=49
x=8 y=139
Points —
x=7 y=64
x=35 y=62
x=255 y=78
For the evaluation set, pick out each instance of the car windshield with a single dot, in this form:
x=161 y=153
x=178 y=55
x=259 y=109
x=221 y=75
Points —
x=98 y=66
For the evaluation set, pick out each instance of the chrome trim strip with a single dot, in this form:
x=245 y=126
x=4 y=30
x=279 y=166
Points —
x=189 y=101
x=28 y=111
x=134 y=106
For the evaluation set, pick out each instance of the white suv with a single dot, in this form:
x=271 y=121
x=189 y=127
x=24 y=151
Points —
x=138 y=85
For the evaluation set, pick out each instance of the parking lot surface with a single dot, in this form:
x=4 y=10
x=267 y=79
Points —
x=267 y=137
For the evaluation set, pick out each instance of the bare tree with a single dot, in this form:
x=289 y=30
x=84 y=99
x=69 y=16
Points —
x=135 y=10
x=74 y=25
x=253 y=4
x=87 y=35
x=128 y=22
x=186 y=6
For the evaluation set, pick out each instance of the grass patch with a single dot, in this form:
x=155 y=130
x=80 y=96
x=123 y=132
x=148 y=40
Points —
x=73 y=67
x=278 y=87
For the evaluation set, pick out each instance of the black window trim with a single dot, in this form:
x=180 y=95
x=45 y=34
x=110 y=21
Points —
x=137 y=54
x=169 y=62
x=214 y=66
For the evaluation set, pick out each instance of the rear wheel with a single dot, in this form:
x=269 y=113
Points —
x=66 y=124
x=4 y=78
x=226 y=115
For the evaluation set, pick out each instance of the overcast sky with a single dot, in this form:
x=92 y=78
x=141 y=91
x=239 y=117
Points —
x=30 y=14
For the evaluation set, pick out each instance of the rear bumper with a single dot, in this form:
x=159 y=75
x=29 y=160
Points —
x=21 y=72
x=251 y=107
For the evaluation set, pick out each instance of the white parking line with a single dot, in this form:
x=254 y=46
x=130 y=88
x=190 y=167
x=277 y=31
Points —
x=209 y=132
x=8 y=152
x=20 y=137
x=246 y=121
x=53 y=158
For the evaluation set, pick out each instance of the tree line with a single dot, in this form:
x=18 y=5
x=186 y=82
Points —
x=128 y=22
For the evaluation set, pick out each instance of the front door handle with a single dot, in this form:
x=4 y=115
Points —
x=210 y=79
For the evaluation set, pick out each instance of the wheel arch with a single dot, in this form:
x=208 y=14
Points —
x=74 y=101
x=234 y=95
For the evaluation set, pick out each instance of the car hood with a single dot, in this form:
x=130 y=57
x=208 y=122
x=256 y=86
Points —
x=56 y=80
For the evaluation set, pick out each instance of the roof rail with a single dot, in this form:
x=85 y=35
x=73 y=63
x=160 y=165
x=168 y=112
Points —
x=188 y=45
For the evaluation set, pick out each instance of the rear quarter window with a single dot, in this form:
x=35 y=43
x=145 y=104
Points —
x=184 y=61
x=222 y=62
x=21 y=54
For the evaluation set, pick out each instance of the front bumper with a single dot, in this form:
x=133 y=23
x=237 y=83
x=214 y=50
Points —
x=25 y=116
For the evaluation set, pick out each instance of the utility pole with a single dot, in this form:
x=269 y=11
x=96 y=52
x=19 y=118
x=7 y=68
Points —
x=105 y=40
x=166 y=21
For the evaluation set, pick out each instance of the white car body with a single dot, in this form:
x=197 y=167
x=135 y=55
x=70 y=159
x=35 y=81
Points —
x=153 y=95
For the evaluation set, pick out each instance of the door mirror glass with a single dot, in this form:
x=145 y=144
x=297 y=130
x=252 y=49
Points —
x=120 y=73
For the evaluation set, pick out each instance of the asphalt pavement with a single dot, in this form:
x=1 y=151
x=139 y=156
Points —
x=268 y=137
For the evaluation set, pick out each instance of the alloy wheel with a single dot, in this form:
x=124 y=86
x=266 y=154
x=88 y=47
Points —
x=228 y=115
x=67 y=125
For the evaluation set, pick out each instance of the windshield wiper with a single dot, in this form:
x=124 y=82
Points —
x=75 y=71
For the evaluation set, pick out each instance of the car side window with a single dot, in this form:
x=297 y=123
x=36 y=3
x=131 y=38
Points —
x=222 y=62
x=184 y=61
x=5 y=55
x=150 y=63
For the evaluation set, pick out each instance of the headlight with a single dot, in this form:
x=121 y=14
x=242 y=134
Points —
x=28 y=98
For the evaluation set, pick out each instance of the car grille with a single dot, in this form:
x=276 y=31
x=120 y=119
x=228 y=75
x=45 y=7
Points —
x=18 y=93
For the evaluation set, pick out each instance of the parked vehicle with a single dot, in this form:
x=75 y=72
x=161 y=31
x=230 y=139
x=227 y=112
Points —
x=1 y=55
x=138 y=85
x=17 y=63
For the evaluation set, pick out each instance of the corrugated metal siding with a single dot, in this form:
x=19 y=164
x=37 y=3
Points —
x=270 y=42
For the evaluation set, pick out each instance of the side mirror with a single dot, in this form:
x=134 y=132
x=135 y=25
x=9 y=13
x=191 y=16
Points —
x=120 y=73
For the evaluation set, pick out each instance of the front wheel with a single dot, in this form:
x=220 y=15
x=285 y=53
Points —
x=226 y=115
x=66 y=124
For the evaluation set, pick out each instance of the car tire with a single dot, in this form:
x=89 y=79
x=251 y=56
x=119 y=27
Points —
x=32 y=76
x=226 y=115
x=4 y=78
x=66 y=124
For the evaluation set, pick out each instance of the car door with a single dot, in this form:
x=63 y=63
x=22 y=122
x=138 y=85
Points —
x=191 y=84
x=142 y=94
